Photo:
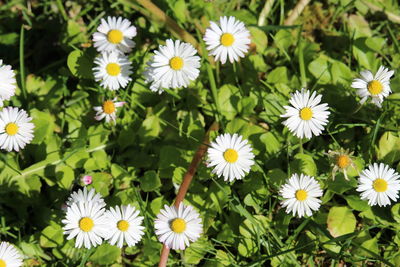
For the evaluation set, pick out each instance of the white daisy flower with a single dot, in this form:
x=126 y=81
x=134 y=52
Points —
x=231 y=155
x=86 y=196
x=229 y=39
x=112 y=70
x=86 y=222
x=174 y=65
x=9 y=255
x=306 y=116
x=377 y=87
x=123 y=224
x=301 y=195
x=16 y=129
x=115 y=34
x=7 y=82
x=108 y=110
x=177 y=227
x=379 y=184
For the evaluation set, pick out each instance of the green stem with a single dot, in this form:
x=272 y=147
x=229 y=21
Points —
x=22 y=64
x=301 y=145
x=62 y=10
x=301 y=62
x=85 y=257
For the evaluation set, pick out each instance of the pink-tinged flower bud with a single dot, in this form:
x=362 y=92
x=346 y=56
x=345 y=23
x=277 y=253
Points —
x=87 y=179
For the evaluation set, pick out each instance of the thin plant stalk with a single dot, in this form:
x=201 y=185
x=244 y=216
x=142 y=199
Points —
x=187 y=179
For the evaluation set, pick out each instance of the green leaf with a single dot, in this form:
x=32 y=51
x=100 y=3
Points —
x=51 y=236
x=303 y=163
x=278 y=75
x=65 y=176
x=197 y=250
x=80 y=64
x=180 y=10
x=106 y=254
x=396 y=212
x=272 y=145
x=355 y=202
x=319 y=68
x=150 y=128
x=341 y=221
x=101 y=181
x=259 y=38
x=44 y=125
x=389 y=148
x=150 y=181
x=228 y=97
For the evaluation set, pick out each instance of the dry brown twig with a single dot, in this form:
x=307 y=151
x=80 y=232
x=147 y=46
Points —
x=150 y=9
x=187 y=179
x=295 y=12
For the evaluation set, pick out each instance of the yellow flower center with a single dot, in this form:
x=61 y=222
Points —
x=178 y=225
x=176 y=63
x=11 y=128
x=343 y=161
x=113 y=69
x=380 y=185
x=301 y=195
x=115 y=36
x=108 y=107
x=227 y=39
x=231 y=155
x=375 y=87
x=306 y=114
x=123 y=225
x=86 y=224
x=2 y=263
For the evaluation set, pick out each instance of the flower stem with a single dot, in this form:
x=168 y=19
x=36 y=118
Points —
x=187 y=179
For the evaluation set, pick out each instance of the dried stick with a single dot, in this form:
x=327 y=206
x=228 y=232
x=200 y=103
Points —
x=264 y=12
x=187 y=179
x=157 y=14
x=295 y=12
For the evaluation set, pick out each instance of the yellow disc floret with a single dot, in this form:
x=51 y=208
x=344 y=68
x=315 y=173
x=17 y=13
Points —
x=231 y=155
x=306 y=113
x=227 y=39
x=2 y=263
x=123 y=225
x=380 y=185
x=343 y=161
x=115 y=36
x=86 y=224
x=301 y=195
x=11 y=128
x=178 y=225
x=108 y=107
x=375 y=87
x=113 y=69
x=176 y=63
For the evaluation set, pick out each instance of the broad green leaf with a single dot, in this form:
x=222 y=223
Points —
x=278 y=75
x=106 y=254
x=341 y=221
x=150 y=181
x=80 y=64
x=228 y=97
x=355 y=202
x=303 y=163
x=51 y=236
x=150 y=128
x=259 y=38
x=197 y=250
x=44 y=125
x=101 y=181
x=389 y=148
